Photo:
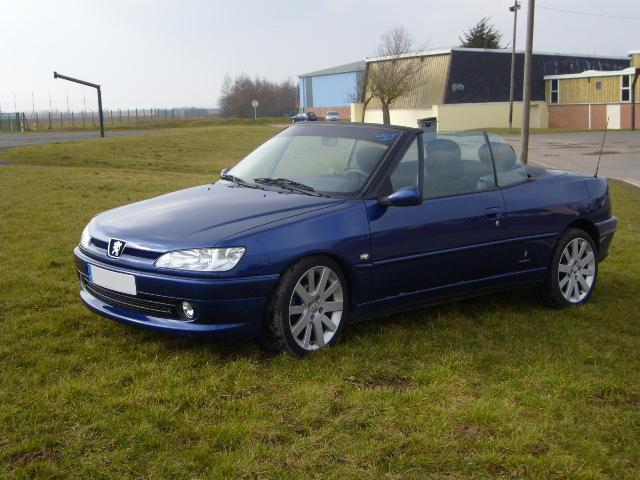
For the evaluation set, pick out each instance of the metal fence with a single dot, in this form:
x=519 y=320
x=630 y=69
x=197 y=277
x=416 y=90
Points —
x=16 y=122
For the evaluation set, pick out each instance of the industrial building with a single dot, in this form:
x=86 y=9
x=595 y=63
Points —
x=331 y=89
x=468 y=88
x=595 y=99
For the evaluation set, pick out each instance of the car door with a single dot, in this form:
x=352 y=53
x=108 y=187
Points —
x=453 y=236
x=534 y=214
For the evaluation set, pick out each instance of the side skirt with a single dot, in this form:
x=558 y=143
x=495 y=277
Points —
x=447 y=293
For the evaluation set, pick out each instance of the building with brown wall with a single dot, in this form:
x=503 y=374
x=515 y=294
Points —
x=595 y=99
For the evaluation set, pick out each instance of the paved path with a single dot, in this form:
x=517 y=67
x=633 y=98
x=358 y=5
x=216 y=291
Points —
x=10 y=140
x=578 y=152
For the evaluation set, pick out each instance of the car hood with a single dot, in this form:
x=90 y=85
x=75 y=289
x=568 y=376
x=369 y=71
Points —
x=201 y=216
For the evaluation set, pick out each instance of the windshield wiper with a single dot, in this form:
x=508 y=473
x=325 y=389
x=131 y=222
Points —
x=237 y=180
x=286 y=183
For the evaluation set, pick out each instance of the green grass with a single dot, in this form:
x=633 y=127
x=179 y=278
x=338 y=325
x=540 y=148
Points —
x=147 y=124
x=496 y=387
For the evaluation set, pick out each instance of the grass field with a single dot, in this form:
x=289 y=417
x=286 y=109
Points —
x=497 y=387
x=149 y=124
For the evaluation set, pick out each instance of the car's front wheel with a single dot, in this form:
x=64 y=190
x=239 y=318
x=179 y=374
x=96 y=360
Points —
x=308 y=309
x=574 y=270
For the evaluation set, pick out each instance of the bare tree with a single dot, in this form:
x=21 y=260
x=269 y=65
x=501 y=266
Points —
x=393 y=76
x=361 y=93
x=276 y=98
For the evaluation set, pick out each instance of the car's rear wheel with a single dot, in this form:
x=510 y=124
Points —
x=309 y=307
x=574 y=270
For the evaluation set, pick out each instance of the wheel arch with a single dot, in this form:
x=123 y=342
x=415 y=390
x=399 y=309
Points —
x=588 y=226
x=345 y=266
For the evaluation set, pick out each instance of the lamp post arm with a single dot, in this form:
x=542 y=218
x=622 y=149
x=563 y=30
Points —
x=76 y=80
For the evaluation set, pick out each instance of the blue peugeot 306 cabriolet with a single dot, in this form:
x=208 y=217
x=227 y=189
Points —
x=324 y=224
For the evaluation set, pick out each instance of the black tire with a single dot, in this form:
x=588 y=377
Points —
x=278 y=334
x=553 y=295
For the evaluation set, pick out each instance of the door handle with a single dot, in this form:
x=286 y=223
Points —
x=493 y=213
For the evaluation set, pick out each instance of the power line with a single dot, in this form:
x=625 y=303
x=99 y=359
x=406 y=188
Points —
x=586 y=14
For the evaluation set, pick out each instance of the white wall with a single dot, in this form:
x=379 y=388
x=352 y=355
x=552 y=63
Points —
x=466 y=116
x=405 y=117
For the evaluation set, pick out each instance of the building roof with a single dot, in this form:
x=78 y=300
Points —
x=444 y=51
x=346 y=68
x=593 y=73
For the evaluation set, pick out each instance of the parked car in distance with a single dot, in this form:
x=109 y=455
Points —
x=332 y=117
x=304 y=117
x=328 y=223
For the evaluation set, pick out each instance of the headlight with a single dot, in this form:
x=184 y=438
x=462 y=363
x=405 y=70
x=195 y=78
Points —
x=85 y=238
x=202 y=259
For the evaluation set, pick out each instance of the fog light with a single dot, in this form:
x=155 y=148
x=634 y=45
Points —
x=188 y=310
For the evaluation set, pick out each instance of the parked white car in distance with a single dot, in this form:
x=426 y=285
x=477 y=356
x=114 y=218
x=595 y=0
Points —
x=332 y=117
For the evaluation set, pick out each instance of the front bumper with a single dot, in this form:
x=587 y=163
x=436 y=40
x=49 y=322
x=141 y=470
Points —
x=226 y=307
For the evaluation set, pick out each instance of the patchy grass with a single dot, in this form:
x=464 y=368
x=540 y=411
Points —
x=489 y=388
x=148 y=124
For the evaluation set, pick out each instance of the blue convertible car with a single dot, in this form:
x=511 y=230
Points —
x=324 y=224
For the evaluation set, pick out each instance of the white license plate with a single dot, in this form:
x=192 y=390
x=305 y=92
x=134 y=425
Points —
x=120 y=282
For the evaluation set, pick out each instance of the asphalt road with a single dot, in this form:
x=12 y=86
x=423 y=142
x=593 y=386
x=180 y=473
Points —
x=578 y=152
x=21 y=139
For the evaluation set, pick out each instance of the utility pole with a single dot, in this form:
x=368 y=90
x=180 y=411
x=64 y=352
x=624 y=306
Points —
x=528 y=67
x=514 y=9
x=88 y=84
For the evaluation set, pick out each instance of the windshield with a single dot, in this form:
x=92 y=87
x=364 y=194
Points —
x=335 y=161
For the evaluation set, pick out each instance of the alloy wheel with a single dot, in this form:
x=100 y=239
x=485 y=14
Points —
x=577 y=270
x=316 y=307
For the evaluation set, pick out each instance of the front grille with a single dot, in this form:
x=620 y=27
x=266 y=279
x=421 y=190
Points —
x=129 y=251
x=155 y=307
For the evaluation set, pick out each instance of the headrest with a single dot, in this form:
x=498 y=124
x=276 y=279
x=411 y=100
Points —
x=368 y=157
x=484 y=154
x=443 y=158
x=504 y=155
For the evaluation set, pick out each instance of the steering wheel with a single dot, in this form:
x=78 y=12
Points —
x=356 y=175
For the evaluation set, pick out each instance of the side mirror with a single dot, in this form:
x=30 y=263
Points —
x=225 y=171
x=404 y=197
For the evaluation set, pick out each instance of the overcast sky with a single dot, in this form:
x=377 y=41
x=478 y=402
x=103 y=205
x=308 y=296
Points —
x=175 y=53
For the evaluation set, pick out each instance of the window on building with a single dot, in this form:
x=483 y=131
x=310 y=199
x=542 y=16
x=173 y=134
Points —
x=599 y=85
x=626 y=89
x=555 y=90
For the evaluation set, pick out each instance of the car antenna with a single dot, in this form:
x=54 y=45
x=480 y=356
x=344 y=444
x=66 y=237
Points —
x=606 y=125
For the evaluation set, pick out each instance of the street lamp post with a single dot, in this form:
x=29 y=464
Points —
x=88 y=84
x=528 y=70
x=514 y=9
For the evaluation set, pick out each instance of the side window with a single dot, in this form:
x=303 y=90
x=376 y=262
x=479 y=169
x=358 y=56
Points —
x=406 y=172
x=509 y=169
x=456 y=164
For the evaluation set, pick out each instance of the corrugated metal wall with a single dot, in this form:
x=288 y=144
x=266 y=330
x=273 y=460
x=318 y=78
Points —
x=585 y=90
x=432 y=82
